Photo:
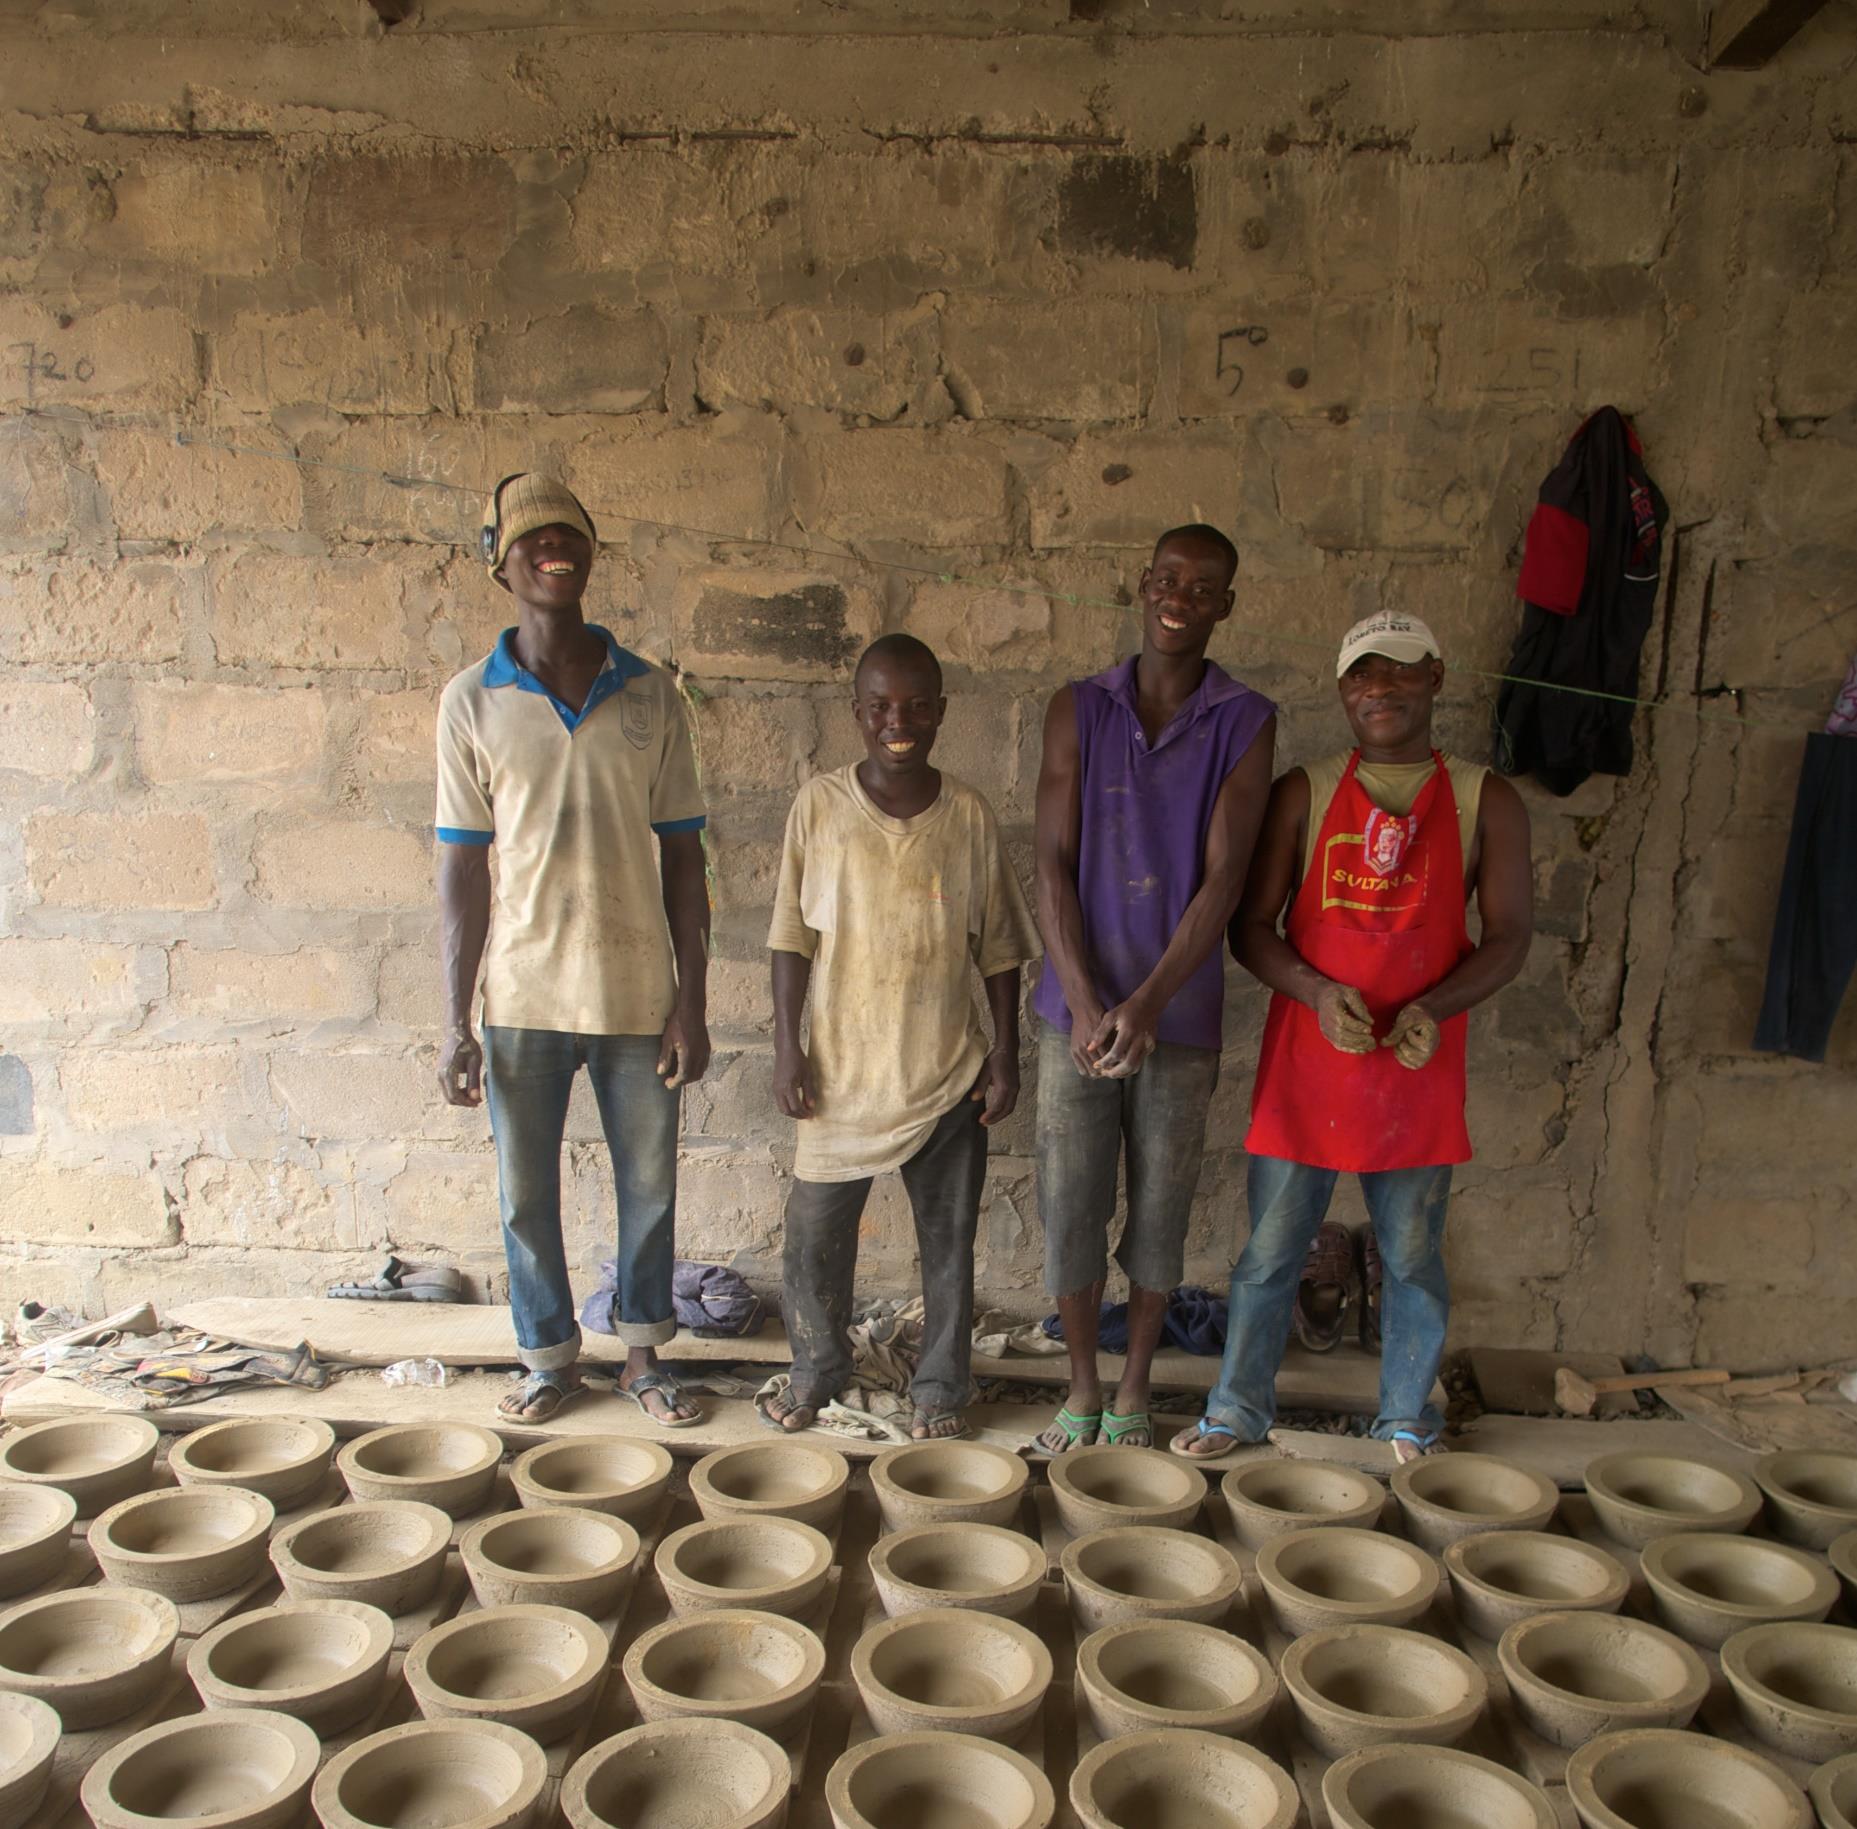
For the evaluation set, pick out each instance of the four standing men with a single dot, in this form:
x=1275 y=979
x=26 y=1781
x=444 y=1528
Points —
x=894 y=888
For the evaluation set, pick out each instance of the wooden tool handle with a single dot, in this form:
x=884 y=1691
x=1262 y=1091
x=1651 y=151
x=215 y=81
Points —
x=1638 y=1381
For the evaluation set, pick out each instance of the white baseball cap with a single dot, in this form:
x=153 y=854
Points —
x=1401 y=638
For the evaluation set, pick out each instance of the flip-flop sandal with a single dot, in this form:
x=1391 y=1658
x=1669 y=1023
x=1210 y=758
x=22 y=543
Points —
x=1328 y=1267
x=671 y=1391
x=1410 y=1446
x=398 y=1282
x=1137 y=1422
x=1204 y=1431
x=1372 y=1273
x=764 y=1412
x=531 y=1391
x=927 y=1419
x=1078 y=1431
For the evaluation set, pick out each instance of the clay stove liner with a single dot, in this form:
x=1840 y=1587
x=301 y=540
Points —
x=1707 y=1588
x=755 y=1668
x=29 y=1731
x=1435 y=1786
x=1573 y=1676
x=767 y=1565
x=1504 y=1576
x=1811 y=1496
x=937 y=1779
x=606 y=1474
x=388 y=1556
x=1663 y=1779
x=1446 y=1497
x=705 y=1774
x=1357 y=1686
x=796 y=1480
x=1842 y=1556
x=35 y=1533
x=983 y=1568
x=948 y=1483
x=532 y=1668
x=1101 y=1487
x=1797 y=1687
x=186 y=1545
x=96 y=1459
x=580 y=1559
x=1269 y=1498
x=1833 y=1791
x=1179 y=1779
x=966 y=1673
x=322 y=1661
x=249 y=1770
x=1639 y=1497
x=1322 y=1578
x=285 y=1458
x=463 y=1774
x=450 y=1465
x=1133 y=1573
x=95 y=1654
x=1173 y=1673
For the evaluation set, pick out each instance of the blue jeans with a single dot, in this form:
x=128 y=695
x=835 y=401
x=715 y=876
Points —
x=528 y=1074
x=1289 y=1201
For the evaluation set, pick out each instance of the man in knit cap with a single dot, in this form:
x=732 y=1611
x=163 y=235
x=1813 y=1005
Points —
x=572 y=756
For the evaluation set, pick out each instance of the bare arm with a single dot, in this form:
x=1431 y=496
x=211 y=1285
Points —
x=464 y=926
x=796 y=1092
x=684 y=1053
x=1058 y=834
x=998 y=1083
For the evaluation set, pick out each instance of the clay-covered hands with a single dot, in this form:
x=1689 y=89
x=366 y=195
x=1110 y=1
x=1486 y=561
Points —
x=796 y=1092
x=1413 y=1037
x=683 y=1055
x=1342 y=1013
x=461 y=1068
x=998 y=1084
x=1123 y=1040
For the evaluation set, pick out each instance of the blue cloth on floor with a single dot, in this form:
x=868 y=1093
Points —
x=708 y=1299
x=1194 y=1322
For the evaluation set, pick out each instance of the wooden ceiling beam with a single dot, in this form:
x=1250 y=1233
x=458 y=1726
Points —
x=1744 y=34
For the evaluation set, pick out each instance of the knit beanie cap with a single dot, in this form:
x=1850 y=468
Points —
x=519 y=505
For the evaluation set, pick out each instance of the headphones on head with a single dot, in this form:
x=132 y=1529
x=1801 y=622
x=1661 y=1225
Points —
x=490 y=535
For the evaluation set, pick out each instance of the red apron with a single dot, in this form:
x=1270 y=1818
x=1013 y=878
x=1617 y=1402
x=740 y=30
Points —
x=1381 y=908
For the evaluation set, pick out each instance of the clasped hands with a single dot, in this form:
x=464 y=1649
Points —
x=1342 y=1013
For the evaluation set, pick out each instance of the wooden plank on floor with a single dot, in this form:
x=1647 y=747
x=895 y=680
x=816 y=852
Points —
x=1519 y=1380
x=1559 y=1447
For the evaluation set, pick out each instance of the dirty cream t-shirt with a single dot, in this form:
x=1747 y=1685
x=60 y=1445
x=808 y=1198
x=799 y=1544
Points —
x=895 y=914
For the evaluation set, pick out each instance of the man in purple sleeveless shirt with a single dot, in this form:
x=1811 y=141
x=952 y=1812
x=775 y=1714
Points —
x=1153 y=786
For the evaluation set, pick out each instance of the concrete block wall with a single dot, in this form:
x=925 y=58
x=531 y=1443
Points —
x=876 y=317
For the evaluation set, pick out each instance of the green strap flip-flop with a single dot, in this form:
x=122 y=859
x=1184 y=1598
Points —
x=1078 y=1431
x=1137 y=1423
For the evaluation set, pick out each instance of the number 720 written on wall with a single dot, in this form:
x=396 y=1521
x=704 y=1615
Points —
x=38 y=364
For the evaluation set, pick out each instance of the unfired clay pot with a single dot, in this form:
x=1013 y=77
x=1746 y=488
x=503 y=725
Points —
x=681 y=1775
x=29 y=1731
x=388 y=1555
x=1796 y=1686
x=1842 y=1556
x=95 y=1654
x=1102 y=1487
x=799 y=1480
x=755 y=1668
x=1574 y=1676
x=581 y=1559
x=1445 y=1497
x=185 y=1544
x=1431 y=1787
x=1173 y=1673
x=768 y=1565
x=459 y=1774
x=286 y=1458
x=1662 y=1779
x=1132 y=1573
x=1707 y=1587
x=1811 y=1495
x=246 y=1770
x=1638 y=1497
x=1319 y=1578
x=96 y=1459
x=35 y=1535
x=1833 y=1791
x=322 y=1661
x=1356 y=1686
x=937 y=1781
x=624 y=1479
x=948 y=1483
x=1178 y=1779
x=1500 y=1577
x=1270 y=1498
x=532 y=1668
x=960 y=1673
x=983 y=1567
x=448 y=1465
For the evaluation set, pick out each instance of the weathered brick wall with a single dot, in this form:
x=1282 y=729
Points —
x=989 y=289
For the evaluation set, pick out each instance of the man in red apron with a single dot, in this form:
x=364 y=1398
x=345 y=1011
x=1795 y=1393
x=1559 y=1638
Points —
x=1375 y=853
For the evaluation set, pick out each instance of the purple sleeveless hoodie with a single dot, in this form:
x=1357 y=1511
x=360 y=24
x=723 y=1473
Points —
x=1141 y=852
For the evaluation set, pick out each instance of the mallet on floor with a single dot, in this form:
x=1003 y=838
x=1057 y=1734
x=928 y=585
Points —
x=1576 y=1396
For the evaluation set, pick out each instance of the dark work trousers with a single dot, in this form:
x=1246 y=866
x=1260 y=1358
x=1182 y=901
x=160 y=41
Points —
x=1815 y=930
x=820 y=1259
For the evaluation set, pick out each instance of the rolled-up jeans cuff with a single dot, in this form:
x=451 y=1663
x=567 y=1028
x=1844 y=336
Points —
x=644 y=1333
x=550 y=1358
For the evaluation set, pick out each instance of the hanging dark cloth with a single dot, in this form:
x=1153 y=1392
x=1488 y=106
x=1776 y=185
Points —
x=1589 y=578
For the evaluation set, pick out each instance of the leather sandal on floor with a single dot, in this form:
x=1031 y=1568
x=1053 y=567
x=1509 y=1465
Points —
x=1329 y=1283
x=401 y=1282
x=668 y=1388
x=535 y=1389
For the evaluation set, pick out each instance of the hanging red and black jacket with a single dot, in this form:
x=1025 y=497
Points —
x=1589 y=577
